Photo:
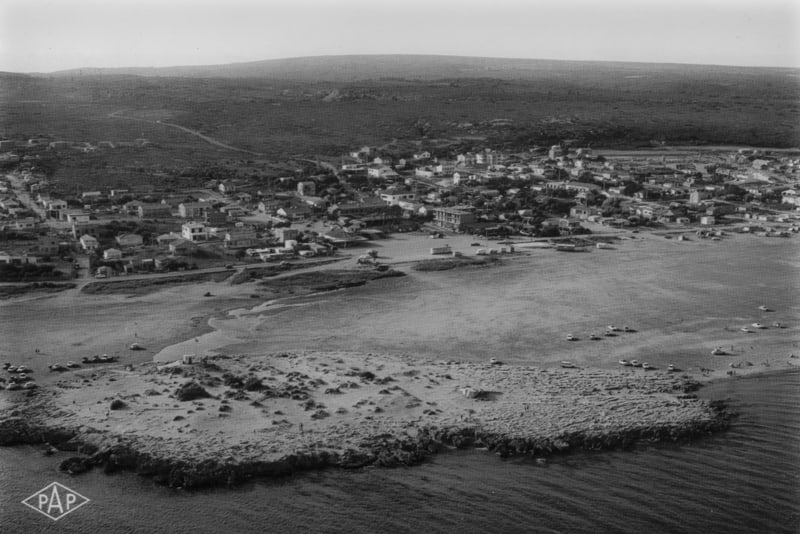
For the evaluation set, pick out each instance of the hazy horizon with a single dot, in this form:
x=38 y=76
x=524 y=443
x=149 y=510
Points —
x=39 y=36
x=444 y=56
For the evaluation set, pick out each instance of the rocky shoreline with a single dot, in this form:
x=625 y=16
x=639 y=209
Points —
x=113 y=454
x=279 y=414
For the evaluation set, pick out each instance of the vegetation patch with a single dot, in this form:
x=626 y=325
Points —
x=445 y=264
x=272 y=270
x=10 y=272
x=39 y=287
x=147 y=285
x=305 y=283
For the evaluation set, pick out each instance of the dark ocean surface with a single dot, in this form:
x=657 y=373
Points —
x=744 y=480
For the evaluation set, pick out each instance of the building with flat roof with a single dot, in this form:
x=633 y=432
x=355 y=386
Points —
x=456 y=218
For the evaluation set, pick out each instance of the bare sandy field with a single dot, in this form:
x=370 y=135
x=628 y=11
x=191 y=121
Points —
x=681 y=298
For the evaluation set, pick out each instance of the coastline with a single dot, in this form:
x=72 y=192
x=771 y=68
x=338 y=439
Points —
x=352 y=418
x=390 y=327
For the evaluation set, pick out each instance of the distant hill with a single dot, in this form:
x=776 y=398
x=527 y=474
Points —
x=417 y=67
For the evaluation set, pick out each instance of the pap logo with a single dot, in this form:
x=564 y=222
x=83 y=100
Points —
x=55 y=501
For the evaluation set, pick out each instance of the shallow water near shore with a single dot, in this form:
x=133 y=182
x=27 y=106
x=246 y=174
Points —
x=744 y=480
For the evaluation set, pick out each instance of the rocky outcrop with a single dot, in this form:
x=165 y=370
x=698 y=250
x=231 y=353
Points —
x=112 y=453
x=19 y=430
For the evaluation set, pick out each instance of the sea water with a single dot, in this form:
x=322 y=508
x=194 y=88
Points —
x=746 y=479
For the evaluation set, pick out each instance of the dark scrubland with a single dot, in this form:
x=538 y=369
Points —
x=325 y=280
x=289 y=111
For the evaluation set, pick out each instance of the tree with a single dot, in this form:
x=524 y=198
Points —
x=631 y=188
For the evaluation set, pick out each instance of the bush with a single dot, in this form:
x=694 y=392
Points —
x=191 y=391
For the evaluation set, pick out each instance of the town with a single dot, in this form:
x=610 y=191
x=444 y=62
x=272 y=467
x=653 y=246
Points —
x=55 y=231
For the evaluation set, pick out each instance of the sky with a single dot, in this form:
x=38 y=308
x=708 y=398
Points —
x=51 y=35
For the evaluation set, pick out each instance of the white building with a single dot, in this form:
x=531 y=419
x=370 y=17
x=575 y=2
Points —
x=88 y=243
x=194 y=231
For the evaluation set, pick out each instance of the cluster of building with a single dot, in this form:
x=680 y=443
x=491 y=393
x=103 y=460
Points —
x=539 y=192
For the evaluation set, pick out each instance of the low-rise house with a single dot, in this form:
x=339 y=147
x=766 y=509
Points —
x=194 y=231
x=368 y=206
x=790 y=196
x=245 y=198
x=240 y=238
x=381 y=171
x=165 y=239
x=569 y=225
x=583 y=212
x=233 y=210
x=47 y=245
x=707 y=220
x=193 y=210
x=182 y=247
x=394 y=198
x=215 y=218
x=339 y=237
x=77 y=216
x=55 y=207
x=307 y=188
x=314 y=202
x=129 y=240
x=226 y=188
x=295 y=213
x=286 y=234
x=25 y=223
x=88 y=243
x=270 y=206
x=154 y=210
x=18 y=259
x=132 y=207
x=112 y=254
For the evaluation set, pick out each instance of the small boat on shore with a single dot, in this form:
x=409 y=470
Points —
x=671 y=368
x=778 y=325
x=626 y=363
x=594 y=337
x=759 y=326
x=568 y=365
x=494 y=361
x=635 y=363
x=570 y=337
x=745 y=329
x=647 y=366
x=763 y=307
x=718 y=351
